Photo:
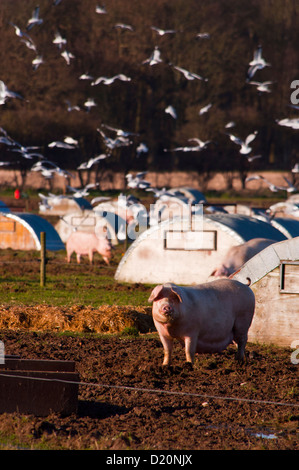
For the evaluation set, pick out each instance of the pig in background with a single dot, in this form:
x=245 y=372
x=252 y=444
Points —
x=205 y=318
x=236 y=256
x=84 y=243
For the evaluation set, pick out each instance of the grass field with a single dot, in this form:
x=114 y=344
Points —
x=66 y=284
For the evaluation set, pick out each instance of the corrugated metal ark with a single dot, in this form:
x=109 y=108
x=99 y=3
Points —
x=274 y=276
x=26 y=233
x=289 y=227
x=247 y=227
x=172 y=251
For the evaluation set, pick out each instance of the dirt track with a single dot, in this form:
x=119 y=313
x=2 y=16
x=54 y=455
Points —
x=113 y=419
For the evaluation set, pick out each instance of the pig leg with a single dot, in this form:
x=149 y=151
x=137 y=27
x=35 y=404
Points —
x=241 y=340
x=167 y=345
x=78 y=258
x=90 y=256
x=106 y=260
x=190 y=349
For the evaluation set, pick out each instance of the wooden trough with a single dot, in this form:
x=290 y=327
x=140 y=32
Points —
x=186 y=252
x=39 y=387
x=274 y=278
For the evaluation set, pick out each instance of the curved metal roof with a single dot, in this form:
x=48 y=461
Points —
x=246 y=227
x=35 y=225
x=267 y=260
x=289 y=227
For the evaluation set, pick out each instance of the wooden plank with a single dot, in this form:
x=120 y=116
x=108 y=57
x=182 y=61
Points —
x=24 y=392
x=12 y=363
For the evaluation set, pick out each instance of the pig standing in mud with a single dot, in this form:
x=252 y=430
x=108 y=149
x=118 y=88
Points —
x=238 y=255
x=205 y=318
x=84 y=243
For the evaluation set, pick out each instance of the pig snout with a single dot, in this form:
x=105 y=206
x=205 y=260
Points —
x=167 y=309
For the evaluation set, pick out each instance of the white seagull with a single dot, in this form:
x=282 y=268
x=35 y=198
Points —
x=37 y=62
x=257 y=63
x=195 y=148
x=137 y=182
x=86 y=76
x=273 y=187
x=70 y=107
x=59 y=40
x=119 y=132
x=170 y=110
x=293 y=123
x=109 y=81
x=263 y=87
x=6 y=93
x=205 y=109
x=34 y=20
x=161 y=32
x=155 y=57
x=142 y=148
x=124 y=26
x=189 y=75
x=67 y=56
x=245 y=149
x=91 y=162
x=101 y=10
x=90 y=103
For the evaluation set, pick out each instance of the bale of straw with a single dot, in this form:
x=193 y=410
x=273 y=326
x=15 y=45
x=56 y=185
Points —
x=110 y=319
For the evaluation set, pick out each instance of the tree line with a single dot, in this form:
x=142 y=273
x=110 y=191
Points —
x=215 y=40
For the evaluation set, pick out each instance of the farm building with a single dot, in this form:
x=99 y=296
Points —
x=21 y=231
x=176 y=252
x=274 y=278
x=61 y=205
x=91 y=222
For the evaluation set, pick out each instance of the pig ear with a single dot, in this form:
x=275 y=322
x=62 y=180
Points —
x=176 y=290
x=155 y=293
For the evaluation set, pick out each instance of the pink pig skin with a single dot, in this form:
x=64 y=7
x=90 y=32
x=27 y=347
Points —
x=84 y=243
x=205 y=318
x=238 y=255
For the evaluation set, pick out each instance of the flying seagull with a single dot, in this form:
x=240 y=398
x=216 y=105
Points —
x=245 y=149
x=6 y=93
x=161 y=32
x=170 y=110
x=263 y=87
x=189 y=75
x=59 y=40
x=34 y=20
x=109 y=81
x=155 y=57
x=257 y=63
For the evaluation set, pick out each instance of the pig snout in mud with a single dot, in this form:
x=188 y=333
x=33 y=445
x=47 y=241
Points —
x=204 y=318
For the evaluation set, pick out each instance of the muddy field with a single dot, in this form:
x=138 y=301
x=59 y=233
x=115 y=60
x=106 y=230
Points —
x=217 y=405
x=135 y=418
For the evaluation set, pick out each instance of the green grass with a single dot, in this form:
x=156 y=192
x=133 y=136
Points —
x=66 y=284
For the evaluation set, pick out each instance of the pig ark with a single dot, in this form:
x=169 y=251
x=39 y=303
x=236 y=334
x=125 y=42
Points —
x=205 y=318
x=84 y=243
x=238 y=255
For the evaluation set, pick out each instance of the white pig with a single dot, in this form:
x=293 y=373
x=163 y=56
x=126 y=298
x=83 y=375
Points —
x=205 y=318
x=238 y=255
x=84 y=243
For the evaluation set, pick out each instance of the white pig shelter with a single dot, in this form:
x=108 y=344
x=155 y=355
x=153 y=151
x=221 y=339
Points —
x=21 y=231
x=274 y=278
x=187 y=253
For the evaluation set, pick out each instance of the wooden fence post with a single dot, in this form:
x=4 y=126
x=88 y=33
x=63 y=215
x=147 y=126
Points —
x=43 y=259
